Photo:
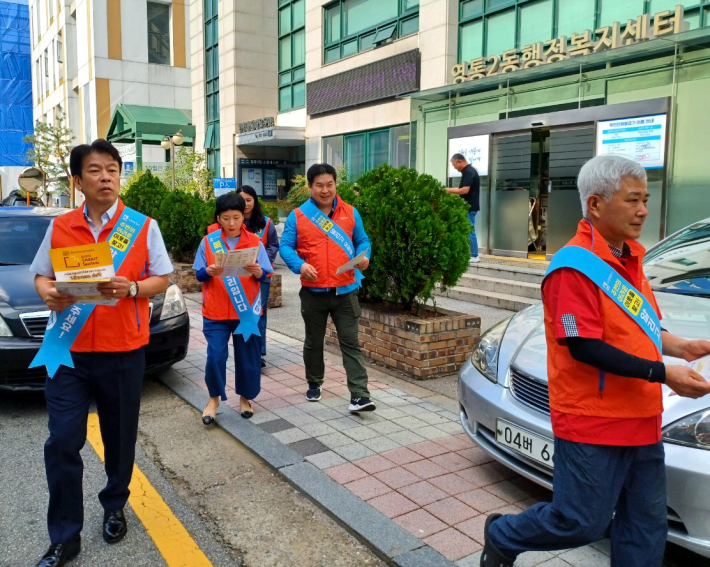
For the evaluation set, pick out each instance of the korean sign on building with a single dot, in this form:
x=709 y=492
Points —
x=641 y=139
x=474 y=149
x=641 y=29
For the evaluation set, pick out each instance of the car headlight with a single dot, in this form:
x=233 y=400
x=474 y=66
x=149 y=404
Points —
x=4 y=329
x=173 y=304
x=691 y=431
x=485 y=355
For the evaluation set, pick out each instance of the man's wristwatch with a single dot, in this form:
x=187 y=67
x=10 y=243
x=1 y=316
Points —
x=133 y=290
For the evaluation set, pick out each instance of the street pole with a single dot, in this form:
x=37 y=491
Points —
x=172 y=159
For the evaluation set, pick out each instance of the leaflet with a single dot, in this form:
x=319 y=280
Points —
x=701 y=366
x=234 y=261
x=79 y=270
x=352 y=263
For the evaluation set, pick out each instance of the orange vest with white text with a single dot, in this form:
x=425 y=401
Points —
x=125 y=326
x=322 y=252
x=216 y=304
x=264 y=235
x=576 y=388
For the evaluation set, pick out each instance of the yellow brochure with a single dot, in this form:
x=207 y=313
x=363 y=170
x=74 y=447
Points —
x=79 y=269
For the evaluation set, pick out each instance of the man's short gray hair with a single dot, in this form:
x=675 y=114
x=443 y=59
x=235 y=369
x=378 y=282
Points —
x=602 y=176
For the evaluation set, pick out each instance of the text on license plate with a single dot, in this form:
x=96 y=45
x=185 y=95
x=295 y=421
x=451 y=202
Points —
x=530 y=444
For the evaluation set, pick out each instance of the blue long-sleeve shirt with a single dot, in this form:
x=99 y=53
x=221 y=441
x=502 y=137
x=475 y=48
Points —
x=289 y=240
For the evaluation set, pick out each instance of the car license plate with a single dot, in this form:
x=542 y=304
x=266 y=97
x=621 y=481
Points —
x=536 y=447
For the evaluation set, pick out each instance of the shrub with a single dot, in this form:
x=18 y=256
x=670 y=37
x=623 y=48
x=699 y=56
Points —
x=299 y=194
x=145 y=193
x=419 y=235
x=183 y=219
x=270 y=210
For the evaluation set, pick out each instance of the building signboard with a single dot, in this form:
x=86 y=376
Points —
x=260 y=124
x=223 y=185
x=156 y=168
x=642 y=139
x=474 y=149
x=643 y=28
x=382 y=79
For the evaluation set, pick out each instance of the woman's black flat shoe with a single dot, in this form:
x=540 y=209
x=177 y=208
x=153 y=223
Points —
x=207 y=419
x=247 y=414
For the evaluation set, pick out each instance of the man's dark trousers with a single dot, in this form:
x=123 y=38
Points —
x=345 y=311
x=114 y=381
x=591 y=482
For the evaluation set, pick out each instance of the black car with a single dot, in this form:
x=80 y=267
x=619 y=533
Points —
x=23 y=315
x=14 y=199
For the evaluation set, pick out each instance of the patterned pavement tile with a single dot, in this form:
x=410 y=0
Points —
x=431 y=432
x=452 y=484
x=429 y=449
x=380 y=444
x=346 y=473
x=405 y=438
x=275 y=425
x=452 y=544
x=317 y=429
x=402 y=456
x=481 y=500
x=334 y=440
x=354 y=451
x=425 y=469
x=326 y=460
x=452 y=462
x=308 y=447
x=374 y=464
x=291 y=435
x=420 y=523
x=368 y=487
x=393 y=504
x=451 y=511
x=422 y=493
x=397 y=478
x=361 y=433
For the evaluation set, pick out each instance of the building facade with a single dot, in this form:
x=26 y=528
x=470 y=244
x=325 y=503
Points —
x=90 y=56
x=15 y=92
x=530 y=89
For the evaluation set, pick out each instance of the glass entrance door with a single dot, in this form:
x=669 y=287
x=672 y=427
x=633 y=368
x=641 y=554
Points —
x=570 y=149
x=510 y=194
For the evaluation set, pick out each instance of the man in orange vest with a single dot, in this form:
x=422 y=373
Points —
x=320 y=236
x=605 y=371
x=100 y=354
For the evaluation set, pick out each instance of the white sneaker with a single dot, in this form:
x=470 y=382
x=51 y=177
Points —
x=474 y=260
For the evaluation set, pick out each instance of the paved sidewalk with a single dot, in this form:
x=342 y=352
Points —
x=409 y=459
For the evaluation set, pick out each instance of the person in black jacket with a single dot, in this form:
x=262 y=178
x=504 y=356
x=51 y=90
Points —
x=469 y=188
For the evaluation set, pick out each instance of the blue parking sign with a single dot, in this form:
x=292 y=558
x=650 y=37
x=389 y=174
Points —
x=128 y=168
x=223 y=185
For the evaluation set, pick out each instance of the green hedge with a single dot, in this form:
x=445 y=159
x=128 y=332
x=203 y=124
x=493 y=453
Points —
x=419 y=235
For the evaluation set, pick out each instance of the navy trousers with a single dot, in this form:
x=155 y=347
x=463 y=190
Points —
x=114 y=380
x=591 y=482
x=247 y=359
x=265 y=290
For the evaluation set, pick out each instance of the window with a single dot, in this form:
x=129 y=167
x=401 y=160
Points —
x=352 y=26
x=292 y=54
x=491 y=27
x=158 y=33
x=360 y=152
x=212 y=129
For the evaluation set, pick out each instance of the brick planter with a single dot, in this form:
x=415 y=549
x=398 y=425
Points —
x=275 y=292
x=184 y=277
x=423 y=348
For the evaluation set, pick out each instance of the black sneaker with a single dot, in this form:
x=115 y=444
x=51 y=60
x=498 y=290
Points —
x=492 y=556
x=313 y=393
x=361 y=404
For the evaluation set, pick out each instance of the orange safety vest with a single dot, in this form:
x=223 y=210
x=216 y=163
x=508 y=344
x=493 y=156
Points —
x=216 y=304
x=322 y=252
x=575 y=387
x=264 y=236
x=125 y=326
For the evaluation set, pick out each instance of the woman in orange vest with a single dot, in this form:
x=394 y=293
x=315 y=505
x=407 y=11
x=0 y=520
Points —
x=263 y=227
x=231 y=305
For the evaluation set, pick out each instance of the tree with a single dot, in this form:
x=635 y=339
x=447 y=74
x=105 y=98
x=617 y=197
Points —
x=191 y=173
x=50 y=146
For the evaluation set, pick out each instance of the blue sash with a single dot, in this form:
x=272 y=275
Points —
x=332 y=231
x=606 y=278
x=248 y=314
x=260 y=233
x=63 y=327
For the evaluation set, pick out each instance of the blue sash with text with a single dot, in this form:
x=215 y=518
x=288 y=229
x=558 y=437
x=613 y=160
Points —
x=63 y=327
x=606 y=278
x=332 y=231
x=248 y=314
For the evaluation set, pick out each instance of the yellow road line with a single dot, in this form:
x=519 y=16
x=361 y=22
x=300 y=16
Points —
x=170 y=537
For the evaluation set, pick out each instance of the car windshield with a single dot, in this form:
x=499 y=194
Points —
x=20 y=238
x=681 y=263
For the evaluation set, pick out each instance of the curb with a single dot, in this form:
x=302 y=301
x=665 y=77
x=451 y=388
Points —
x=385 y=538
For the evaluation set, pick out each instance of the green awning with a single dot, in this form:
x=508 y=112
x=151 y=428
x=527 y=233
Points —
x=149 y=123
